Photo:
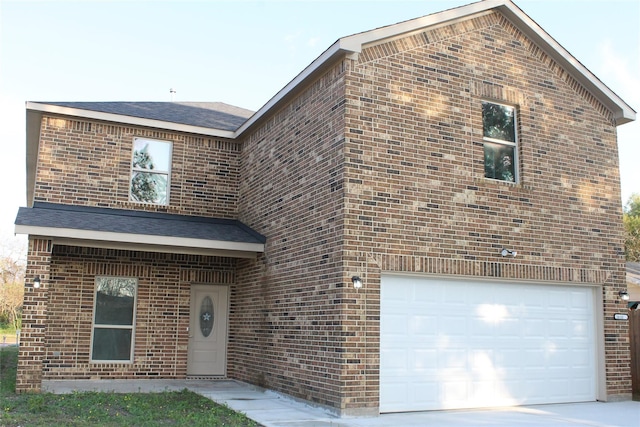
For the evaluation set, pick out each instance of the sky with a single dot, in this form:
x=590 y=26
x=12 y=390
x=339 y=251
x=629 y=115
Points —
x=242 y=53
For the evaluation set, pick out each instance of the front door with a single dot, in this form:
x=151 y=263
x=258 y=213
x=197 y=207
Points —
x=207 y=355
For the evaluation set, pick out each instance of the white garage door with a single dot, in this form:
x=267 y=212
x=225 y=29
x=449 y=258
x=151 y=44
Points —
x=448 y=344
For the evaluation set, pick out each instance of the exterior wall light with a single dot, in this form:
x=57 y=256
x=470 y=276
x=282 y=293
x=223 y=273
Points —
x=357 y=282
x=36 y=282
x=624 y=295
x=506 y=252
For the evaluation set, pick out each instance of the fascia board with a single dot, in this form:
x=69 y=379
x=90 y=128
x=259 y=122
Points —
x=623 y=113
x=402 y=29
x=151 y=248
x=354 y=44
x=33 y=123
x=130 y=120
x=139 y=239
x=336 y=49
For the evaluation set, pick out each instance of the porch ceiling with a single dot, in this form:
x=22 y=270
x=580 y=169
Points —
x=139 y=230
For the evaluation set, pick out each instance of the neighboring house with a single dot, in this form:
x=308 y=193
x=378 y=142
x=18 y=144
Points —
x=414 y=160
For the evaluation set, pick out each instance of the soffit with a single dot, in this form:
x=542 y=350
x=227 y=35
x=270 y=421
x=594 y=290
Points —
x=139 y=230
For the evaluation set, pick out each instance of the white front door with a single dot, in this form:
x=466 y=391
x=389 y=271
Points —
x=207 y=354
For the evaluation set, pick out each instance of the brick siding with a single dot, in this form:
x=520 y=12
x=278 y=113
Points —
x=416 y=196
x=85 y=162
x=292 y=332
x=34 y=313
x=375 y=166
x=162 y=310
x=416 y=200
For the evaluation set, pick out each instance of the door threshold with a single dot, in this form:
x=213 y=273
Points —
x=207 y=377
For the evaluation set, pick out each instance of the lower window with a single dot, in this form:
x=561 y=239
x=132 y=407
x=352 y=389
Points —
x=499 y=161
x=114 y=319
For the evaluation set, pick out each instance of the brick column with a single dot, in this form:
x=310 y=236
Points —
x=34 y=317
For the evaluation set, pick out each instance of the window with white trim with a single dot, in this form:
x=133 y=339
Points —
x=500 y=141
x=150 y=171
x=114 y=319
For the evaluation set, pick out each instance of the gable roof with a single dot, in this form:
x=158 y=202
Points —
x=351 y=46
x=222 y=120
x=139 y=230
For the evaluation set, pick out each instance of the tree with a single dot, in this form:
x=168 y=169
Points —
x=143 y=186
x=12 y=273
x=148 y=185
x=631 y=219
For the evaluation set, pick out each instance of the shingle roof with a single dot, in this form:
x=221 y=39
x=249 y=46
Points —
x=216 y=115
x=48 y=215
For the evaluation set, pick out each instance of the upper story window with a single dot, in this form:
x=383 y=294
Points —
x=150 y=171
x=500 y=141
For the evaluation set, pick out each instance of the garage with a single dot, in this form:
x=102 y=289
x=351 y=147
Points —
x=448 y=344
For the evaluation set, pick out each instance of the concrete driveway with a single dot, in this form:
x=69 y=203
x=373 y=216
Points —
x=275 y=410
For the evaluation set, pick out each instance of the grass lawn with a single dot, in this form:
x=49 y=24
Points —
x=183 y=408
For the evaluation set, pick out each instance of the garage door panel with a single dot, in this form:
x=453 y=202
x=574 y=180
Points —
x=421 y=325
x=395 y=394
x=394 y=360
x=397 y=326
x=456 y=326
x=475 y=344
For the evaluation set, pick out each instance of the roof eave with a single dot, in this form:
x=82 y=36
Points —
x=130 y=120
x=339 y=49
x=34 y=120
x=144 y=242
x=622 y=112
x=353 y=45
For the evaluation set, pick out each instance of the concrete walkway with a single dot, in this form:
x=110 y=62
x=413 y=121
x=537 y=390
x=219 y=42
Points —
x=276 y=410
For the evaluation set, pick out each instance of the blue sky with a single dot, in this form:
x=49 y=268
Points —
x=243 y=52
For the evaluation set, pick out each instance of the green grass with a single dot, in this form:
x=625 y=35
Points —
x=183 y=408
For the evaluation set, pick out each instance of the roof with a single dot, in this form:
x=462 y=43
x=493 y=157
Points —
x=139 y=230
x=352 y=45
x=215 y=115
x=222 y=120
x=203 y=116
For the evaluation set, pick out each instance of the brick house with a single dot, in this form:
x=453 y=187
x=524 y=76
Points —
x=353 y=243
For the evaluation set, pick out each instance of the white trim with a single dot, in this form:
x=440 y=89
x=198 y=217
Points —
x=154 y=248
x=70 y=235
x=131 y=120
x=504 y=142
x=166 y=173
x=558 y=53
x=352 y=45
x=338 y=48
x=131 y=327
x=592 y=291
